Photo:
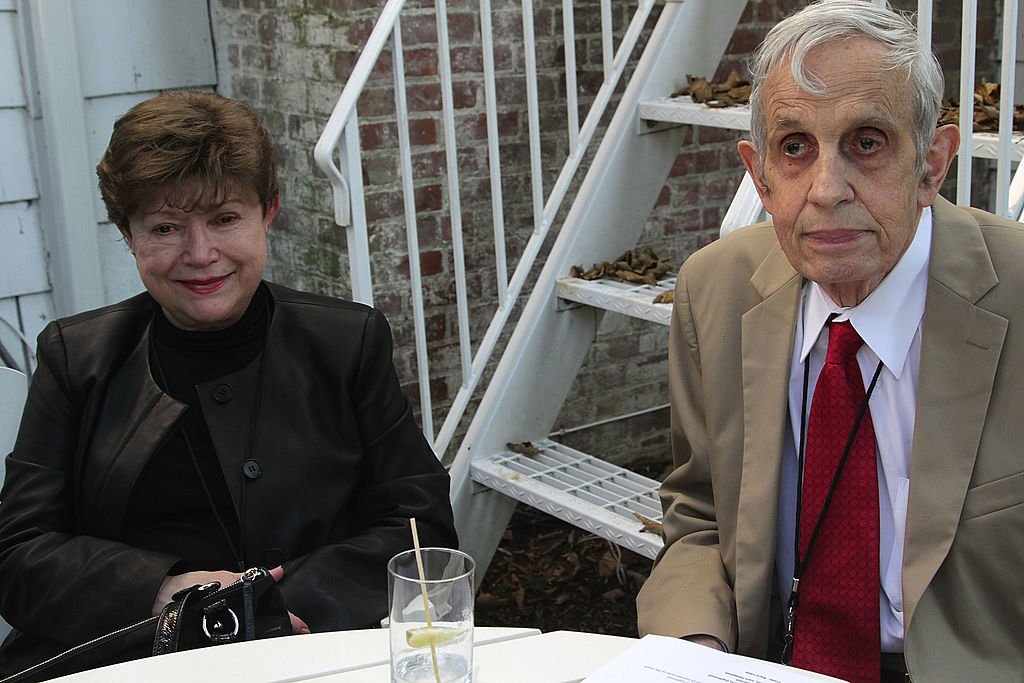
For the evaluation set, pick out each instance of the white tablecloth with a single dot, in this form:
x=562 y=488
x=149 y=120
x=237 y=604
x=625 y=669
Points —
x=500 y=655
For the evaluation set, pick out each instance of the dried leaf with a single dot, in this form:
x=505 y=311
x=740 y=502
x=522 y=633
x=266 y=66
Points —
x=523 y=448
x=629 y=276
x=614 y=595
x=486 y=600
x=520 y=597
x=734 y=80
x=666 y=297
x=700 y=90
x=650 y=526
x=639 y=267
x=734 y=90
x=985 y=110
x=606 y=565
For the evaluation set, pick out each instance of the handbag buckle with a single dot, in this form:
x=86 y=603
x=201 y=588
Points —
x=220 y=623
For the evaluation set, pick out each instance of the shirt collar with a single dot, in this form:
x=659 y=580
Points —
x=889 y=318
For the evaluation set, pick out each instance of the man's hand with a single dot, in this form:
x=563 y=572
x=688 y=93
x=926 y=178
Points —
x=173 y=584
x=706 y=641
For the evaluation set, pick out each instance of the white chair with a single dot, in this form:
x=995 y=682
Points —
x=13 y=389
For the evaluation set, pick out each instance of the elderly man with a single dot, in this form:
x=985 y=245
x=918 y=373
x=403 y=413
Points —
x=845 y=382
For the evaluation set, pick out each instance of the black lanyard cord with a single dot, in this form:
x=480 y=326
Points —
x=800 y=563
x=238 y=551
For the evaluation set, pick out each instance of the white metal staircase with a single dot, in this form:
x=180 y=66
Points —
x=492 y=467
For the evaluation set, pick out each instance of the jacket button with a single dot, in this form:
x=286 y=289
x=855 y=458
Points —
x=252 y=469
x=222 y=393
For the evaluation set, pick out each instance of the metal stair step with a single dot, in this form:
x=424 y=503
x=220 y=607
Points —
x=628 y=298
x=685 y=111
x=580 y=489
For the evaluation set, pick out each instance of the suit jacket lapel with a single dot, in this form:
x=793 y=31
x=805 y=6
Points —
x=960 y=347
x=768 y=333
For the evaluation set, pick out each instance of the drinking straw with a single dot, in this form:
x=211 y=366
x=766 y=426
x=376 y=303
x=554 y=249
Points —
x=423 y=592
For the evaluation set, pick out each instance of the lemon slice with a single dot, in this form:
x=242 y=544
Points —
x=426 y=636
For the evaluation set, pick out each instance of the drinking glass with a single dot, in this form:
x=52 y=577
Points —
x=431 y=617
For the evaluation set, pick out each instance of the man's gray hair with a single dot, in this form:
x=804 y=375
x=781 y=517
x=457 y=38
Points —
x=833 y=20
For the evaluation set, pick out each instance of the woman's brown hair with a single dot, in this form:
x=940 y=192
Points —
x=201 y=144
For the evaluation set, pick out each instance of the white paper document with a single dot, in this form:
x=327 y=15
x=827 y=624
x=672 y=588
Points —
x=659 y=659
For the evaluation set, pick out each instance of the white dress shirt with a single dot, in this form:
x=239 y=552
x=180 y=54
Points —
x=889 y=322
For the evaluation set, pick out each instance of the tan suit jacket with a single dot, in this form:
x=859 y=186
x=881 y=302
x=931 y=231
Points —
x=963 y=566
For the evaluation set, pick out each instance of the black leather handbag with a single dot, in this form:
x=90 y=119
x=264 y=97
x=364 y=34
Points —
x=200 y=616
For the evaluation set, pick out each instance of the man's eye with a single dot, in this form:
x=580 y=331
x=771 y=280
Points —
x=227 y=218
x=793 y=148
x=163 y=229
x=868 y=144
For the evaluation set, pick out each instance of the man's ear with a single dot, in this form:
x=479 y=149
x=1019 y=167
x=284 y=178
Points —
x=752 y=160
x=936 y=162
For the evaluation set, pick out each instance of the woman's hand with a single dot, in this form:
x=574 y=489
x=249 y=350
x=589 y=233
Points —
x=298 y=625
x=173 y=584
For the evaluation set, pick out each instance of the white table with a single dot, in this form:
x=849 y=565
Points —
x=500 y=655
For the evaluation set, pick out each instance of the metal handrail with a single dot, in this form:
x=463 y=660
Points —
x=344 y=121
x=338 y=149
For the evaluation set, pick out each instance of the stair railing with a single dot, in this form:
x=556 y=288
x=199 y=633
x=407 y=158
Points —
x=337 y=153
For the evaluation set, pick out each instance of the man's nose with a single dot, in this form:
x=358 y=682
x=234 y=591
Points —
x=830 y=183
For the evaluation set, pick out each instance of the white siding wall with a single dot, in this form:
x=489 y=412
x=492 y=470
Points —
x=129 y=50
x=121 y=52
x=25 y=303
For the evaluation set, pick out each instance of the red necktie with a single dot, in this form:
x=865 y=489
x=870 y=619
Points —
x=837 y=618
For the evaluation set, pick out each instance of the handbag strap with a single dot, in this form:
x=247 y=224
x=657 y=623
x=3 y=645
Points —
x=99 y=648
x=168 y=626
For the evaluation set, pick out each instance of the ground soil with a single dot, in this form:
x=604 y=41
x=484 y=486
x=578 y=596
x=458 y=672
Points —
x=549 y=575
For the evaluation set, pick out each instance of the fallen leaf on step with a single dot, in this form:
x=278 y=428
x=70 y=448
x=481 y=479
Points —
x=523 y=448
x=638 y=266
x=650 y=526
x=733 y=91
x=985 y=110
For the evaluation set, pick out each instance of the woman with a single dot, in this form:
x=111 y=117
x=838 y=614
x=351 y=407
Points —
x=214 y=422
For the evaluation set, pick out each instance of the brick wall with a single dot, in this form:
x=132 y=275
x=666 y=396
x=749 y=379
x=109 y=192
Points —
x=290 y=59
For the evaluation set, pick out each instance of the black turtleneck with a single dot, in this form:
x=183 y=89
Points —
x=168 y=509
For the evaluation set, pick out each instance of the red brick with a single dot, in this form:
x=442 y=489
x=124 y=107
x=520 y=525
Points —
x=420 y=29
x=428 y=198
x=467 y=59
x=462 y=27
x=708 y=135
x=428 y=164
x=421 y=62
x=423 y=132
x=376 y=102
x=664 y=197
x=377 y=135
x=424 y=97
x=383 y=205
x=464 y=94
x=359 y=30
